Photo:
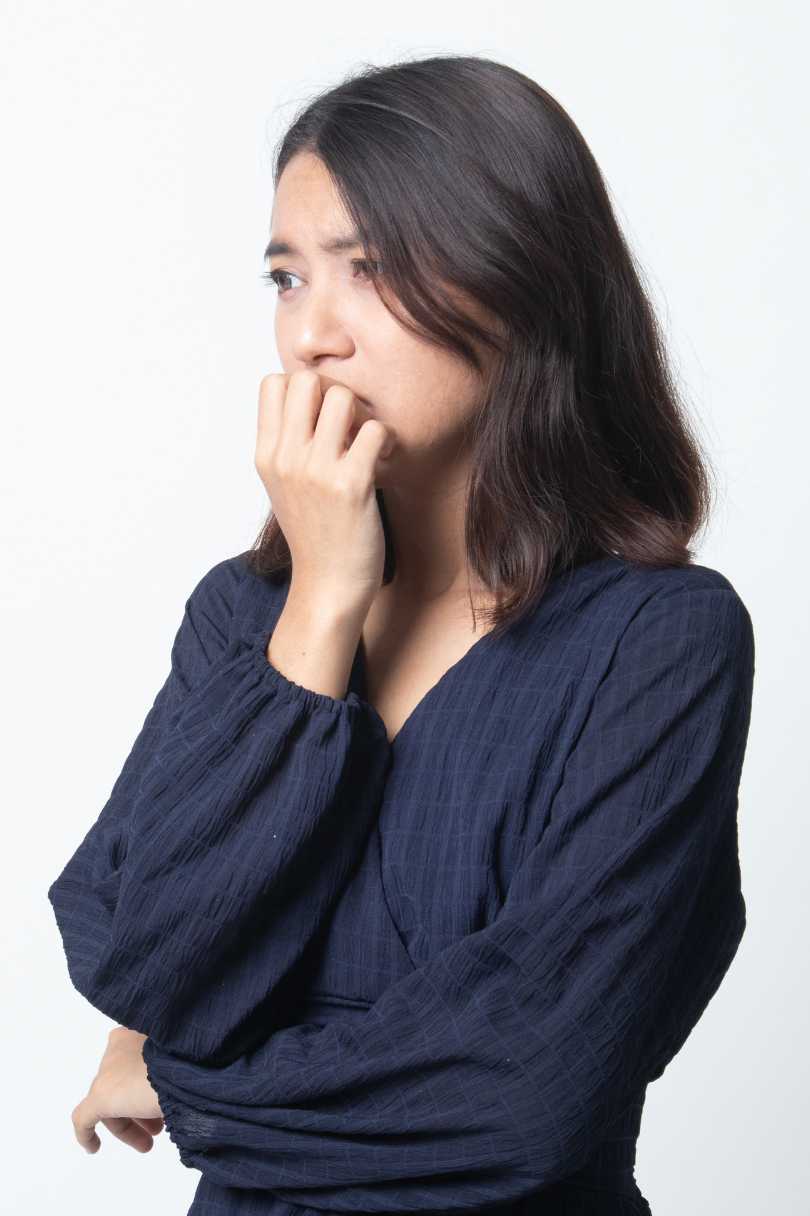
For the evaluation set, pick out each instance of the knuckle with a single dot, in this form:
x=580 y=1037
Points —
x=317 y=478
x=348 y=487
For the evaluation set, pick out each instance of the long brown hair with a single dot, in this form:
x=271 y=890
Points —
x=467 y=169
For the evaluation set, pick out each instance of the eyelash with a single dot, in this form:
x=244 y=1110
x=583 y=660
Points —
x=272 y=276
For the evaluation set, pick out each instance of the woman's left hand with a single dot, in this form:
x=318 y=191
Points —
x=120 y=1097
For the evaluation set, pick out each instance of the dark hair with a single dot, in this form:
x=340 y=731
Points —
x=581 y=448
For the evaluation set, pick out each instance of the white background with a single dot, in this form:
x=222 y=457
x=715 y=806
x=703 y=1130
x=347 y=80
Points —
x=136 y=145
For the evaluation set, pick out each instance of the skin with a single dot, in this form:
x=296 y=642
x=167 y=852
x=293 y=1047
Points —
x=329 y=320
x=120 y=1097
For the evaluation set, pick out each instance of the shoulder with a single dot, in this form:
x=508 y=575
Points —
x=620 y=613
x=668 y=649
x=622 y=589
x=231 y=596
x=694 y=599
x=682 y=618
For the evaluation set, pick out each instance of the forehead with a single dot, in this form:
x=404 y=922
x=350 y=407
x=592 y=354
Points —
x=281 y=245
x=307 y=210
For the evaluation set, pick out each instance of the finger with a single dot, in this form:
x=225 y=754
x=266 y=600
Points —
x=153 y=1126
x=84 y=1126
x=341 y=416
x=272 y=390
x=373 y=442
x=130 y=1132
x=302 y=405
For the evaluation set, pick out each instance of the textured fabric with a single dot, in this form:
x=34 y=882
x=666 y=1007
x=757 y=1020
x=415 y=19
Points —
x=433 y=975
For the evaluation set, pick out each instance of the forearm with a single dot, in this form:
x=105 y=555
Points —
x=314 y=641
x=253 y=765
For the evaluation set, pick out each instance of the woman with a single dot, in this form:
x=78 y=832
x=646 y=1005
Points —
x=399 y=912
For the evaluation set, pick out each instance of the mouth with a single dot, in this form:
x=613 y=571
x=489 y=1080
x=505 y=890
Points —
x=327 y=382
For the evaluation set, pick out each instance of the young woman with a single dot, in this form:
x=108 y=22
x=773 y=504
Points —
x=424 y=863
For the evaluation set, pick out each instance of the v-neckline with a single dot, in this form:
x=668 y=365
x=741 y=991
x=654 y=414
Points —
x=359 y=681
x=358 y=676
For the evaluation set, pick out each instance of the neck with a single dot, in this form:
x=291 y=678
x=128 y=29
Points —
x=428 y=533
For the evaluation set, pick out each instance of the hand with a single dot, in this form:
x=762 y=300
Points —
x=322 y=484
x=120 y=1097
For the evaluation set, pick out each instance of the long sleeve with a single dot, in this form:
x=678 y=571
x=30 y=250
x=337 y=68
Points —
x=496 y=1068
x=237 y=818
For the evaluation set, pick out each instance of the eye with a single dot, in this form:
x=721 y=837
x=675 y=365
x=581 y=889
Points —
x=273 y=276
x=367 y=265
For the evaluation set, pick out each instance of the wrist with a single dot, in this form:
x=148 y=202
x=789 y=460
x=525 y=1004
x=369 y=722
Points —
x=328 y=610
x=314 y=642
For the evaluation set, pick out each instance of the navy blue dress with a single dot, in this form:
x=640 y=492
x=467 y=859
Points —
x=434 y=975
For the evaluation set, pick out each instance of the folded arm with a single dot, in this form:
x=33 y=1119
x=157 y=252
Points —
x=228 y=836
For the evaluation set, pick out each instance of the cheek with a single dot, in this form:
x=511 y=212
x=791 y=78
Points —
x=447 y=387
x=423 y=419
x=283 y=344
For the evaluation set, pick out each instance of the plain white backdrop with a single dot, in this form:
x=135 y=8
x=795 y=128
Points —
x=136 y=153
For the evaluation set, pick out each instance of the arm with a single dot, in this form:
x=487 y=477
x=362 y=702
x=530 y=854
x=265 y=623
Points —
x=496 y=1069
x=242 y=807
x=85 y=893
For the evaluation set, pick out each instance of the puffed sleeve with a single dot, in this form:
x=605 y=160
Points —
x=226 y=839
x=496 y=1068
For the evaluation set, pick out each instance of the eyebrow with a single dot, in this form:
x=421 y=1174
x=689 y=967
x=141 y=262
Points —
x=337 y=245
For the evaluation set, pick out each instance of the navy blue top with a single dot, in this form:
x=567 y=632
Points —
x=433 y=975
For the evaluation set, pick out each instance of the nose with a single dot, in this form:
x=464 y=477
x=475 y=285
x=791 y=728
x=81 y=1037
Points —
x=318 y=331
